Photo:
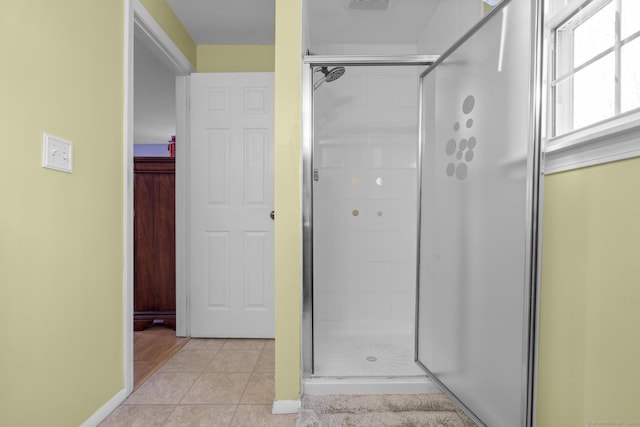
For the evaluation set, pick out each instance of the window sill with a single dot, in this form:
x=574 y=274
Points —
x=614 y=140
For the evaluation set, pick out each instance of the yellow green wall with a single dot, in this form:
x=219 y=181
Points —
x=589 y=324
x=211 y=58
x=61 y=244
x=233 y=58
x=288 y=184
x=168 y=21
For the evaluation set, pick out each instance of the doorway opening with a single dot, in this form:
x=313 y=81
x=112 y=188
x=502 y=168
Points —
x=141 y=27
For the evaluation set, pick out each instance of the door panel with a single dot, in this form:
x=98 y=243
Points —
x=231 y=247
x=478 y=182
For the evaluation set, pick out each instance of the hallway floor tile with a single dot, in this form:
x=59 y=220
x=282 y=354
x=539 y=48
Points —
x=208 y=382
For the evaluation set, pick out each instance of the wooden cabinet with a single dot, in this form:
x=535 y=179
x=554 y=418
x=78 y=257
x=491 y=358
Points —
x=154 y=242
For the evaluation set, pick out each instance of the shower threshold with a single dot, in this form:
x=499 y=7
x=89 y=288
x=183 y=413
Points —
x=369 y=385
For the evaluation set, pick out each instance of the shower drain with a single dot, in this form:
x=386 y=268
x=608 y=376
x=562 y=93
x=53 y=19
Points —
x=371 y=359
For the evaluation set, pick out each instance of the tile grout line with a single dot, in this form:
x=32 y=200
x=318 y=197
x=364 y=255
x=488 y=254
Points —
x=245 y=388
x=189 y=388
x=202 y=371
x=262 y=350
x=167 y=355
x=169 y=415
x=251 y=374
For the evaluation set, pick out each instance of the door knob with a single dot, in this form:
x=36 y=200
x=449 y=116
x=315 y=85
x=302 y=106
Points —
x=273 y=214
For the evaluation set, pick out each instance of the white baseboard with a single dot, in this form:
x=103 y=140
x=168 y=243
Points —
x=285 y=407
x=105 y=410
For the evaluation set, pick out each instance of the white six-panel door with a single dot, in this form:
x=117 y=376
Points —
x=231 y=231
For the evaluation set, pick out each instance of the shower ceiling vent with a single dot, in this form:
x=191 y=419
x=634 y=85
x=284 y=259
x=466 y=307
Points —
x=368 y=4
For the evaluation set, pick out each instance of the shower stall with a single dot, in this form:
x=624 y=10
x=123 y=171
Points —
x=420 y=207
x=364 y=157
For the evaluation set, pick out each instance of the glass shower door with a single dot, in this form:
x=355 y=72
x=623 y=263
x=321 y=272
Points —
x=479 y=174
x=364 y=182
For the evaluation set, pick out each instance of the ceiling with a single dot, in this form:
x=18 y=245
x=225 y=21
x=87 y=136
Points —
x=253 y=22
x=330 y=21
x=154 y=99
x=227 y=21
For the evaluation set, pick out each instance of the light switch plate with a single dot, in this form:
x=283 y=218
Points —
x=56 y=153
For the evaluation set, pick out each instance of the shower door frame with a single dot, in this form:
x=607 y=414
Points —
x=533 y=210
x=310 y=62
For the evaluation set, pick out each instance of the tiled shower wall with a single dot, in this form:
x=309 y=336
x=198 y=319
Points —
x=365 y=211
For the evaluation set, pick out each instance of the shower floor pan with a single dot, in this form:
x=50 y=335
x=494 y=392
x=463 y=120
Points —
x=338 y=355
x=375 y=364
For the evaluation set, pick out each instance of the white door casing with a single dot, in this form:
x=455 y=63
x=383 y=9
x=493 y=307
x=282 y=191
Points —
x=231 y=198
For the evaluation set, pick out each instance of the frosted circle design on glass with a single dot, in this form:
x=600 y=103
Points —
x=468 y=104
x=379 y=180
x=468 y=156
x=379 y=213
x=451 y=147
x=461 y=147
x=355 y=212
x=461 y=171
x=451 y=169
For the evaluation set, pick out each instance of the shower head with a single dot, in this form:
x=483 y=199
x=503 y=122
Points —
x=329 y=75
x=333 y=74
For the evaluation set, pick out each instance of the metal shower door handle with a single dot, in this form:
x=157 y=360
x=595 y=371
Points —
x=273 y=215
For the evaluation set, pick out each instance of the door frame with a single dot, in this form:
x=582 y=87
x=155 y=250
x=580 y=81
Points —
x=139 y=22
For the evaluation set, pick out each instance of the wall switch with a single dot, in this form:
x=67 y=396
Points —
x=56 y=153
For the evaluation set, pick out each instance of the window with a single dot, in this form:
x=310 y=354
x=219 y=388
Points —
x=595 y=64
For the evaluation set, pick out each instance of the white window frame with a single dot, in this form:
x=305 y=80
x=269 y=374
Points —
x=613 y=139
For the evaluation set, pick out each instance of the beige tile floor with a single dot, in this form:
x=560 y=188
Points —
x=209 y=382
x=151 y=349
